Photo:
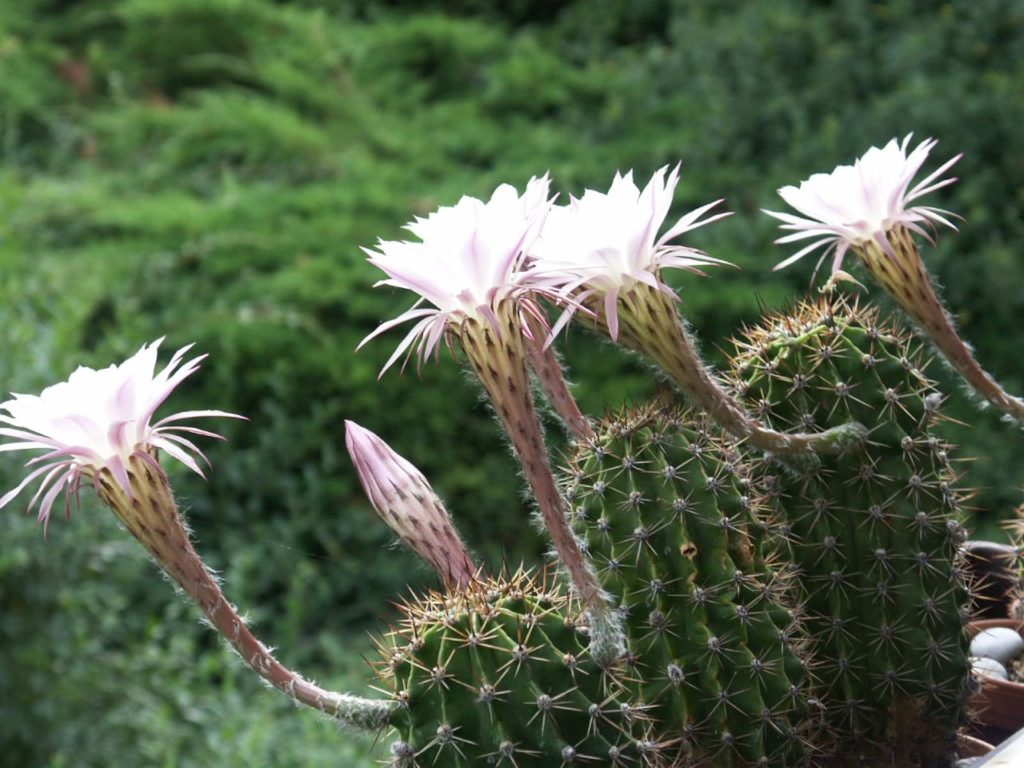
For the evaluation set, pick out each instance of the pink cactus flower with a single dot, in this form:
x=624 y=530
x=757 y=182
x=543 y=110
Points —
x=100 y=419
x=861 y=204
x=596 y=248
x=466 y=263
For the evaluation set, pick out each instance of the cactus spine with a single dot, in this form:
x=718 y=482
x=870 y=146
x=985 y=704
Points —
x=875 y=531
x=665 y=508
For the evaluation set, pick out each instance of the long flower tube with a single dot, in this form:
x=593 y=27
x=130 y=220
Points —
x=868 y=208
x=602 y=252
x=97 y=428
x=467 y=265
x=649 y=323
x=551 y=376
x=498 y=358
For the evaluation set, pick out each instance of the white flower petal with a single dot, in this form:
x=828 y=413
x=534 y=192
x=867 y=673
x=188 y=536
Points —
x=9 y=496
x=605 y=242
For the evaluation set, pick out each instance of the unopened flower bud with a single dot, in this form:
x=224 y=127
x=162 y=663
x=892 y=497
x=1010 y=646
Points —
x=405 y=501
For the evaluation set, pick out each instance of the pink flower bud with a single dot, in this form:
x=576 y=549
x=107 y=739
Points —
x=406 y=502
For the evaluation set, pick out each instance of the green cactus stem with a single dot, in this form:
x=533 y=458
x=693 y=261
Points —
x=672 y=524
x=500 y=674
x=874 y=531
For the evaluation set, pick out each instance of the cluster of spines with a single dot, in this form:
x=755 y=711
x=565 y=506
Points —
x=672 y=524
x=1016 y=565
x=498 y=674
x=874 y=533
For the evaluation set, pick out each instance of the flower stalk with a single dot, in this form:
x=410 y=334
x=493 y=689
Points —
x=649 y=323
x=899 y=269
x=98 y=427
x=497 y=356
x=548 y=370
x=148 y=511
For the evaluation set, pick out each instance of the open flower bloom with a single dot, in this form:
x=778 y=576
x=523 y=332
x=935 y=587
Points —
x=863 y=204
x=405 y=501
x=600 y=245
x=465 y=263
x=867 y=207
x=98 y=420
x=603 y=252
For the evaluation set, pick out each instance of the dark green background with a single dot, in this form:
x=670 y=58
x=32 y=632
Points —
x=207 y=170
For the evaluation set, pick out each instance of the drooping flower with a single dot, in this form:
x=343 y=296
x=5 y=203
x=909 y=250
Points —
x=860 y=205
x=602 y=244
x=98 y=420
x=98 y=426
x=405 y=501
x=868 y=208
x=603 y=252
x=466 y=262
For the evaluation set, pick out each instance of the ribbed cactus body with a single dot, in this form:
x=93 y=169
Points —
x=874 y=532
x=498 y=674
x=668 y=517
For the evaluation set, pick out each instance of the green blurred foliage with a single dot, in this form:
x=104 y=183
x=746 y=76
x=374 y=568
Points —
x=207 y=170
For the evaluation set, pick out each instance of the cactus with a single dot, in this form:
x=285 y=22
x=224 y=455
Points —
x=666 y=511
x=728 y=608
x=875 y=531
x=498 y=673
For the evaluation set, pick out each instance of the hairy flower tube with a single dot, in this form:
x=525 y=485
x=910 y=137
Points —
x=868 y=207
x=602 y=252
x=98 y=427
x=405 y=501
x=551 y=376
x=467 y=266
